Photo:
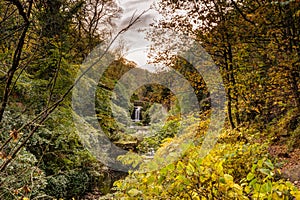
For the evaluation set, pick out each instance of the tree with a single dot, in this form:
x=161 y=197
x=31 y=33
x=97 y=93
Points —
x=40 y=57
x=253 y=47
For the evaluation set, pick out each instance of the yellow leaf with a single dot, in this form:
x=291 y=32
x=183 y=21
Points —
x=296 y=194
x=3 y=155
x=26 y=189
x=14 y=134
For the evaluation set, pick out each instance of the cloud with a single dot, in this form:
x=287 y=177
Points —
x=134 y=39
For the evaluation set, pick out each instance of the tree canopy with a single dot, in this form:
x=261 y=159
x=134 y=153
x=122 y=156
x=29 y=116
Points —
x=255 y=46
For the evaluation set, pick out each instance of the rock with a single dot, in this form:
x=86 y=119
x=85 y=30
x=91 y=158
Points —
x=292 y=174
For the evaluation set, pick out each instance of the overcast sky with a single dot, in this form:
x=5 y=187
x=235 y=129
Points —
x=134 y=40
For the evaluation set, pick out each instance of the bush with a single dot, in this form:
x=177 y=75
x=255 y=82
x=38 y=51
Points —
x=68 y=185
x=231 y=171
x=22 y=178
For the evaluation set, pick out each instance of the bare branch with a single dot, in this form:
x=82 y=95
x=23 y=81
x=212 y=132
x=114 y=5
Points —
x=20 y=9
x=241 y=12
x=17 y=55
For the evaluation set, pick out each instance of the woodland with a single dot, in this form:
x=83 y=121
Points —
x=254 y=44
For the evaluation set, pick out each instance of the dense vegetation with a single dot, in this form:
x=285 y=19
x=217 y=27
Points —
x=254 y=44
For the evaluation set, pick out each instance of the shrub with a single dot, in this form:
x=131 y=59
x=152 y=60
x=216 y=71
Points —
x=231 y=171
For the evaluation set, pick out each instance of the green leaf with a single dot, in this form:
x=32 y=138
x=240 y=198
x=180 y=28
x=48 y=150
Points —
x=267 y=187
x=269 y=164
x=134 y=192
x=171 y=167
x=265 y=171
x=253 y=168
x=190 y=169
x=253 y=182
x=222 y=180
x=260 y=163
x=250 y=176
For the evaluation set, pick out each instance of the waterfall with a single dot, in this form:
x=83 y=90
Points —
x=137 y=113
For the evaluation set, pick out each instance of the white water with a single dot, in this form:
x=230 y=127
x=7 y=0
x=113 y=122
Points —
x=137 y=113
